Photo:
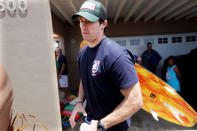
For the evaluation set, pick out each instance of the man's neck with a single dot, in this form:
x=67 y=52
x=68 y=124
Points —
x=94 y=43
x=150 y=50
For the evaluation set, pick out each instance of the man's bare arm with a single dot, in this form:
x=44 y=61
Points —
x=81 y=92
x=130 y=105
x=177 y=73
x=6 y=98
x=63 y=68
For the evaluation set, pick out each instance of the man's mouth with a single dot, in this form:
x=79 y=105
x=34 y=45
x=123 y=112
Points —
x=85 y=33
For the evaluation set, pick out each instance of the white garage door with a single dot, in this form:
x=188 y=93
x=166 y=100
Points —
x=166 y=45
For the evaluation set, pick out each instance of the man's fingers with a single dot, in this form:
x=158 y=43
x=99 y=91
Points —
x=72 y=118
x=72 y=121
x=74 y=113
x=73 y=124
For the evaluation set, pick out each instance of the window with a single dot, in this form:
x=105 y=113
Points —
x=121 y=42
x=190 y=38
x=134 y=42
x=176 y=39
x=162 y=40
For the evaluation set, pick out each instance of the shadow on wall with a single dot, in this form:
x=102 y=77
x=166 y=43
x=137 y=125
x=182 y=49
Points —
x=188 y=69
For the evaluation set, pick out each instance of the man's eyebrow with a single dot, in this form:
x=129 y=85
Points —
x=84 y=20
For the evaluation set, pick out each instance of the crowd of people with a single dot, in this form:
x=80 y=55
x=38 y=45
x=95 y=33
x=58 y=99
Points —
x=108 y=79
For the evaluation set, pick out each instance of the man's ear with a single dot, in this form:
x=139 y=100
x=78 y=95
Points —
x=104 y=24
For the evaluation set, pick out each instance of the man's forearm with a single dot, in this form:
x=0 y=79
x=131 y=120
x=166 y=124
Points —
x=130 y=105
x=81 y=92
x=62 y=69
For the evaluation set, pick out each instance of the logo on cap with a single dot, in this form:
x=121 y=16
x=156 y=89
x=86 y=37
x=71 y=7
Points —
x=89 y=6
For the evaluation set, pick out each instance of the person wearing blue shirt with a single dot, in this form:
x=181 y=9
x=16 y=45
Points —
x=109 y=82
x=150 y=58
x=62 y=73
x=173 y=75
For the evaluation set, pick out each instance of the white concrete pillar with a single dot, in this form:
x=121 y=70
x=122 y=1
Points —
x=26 y=52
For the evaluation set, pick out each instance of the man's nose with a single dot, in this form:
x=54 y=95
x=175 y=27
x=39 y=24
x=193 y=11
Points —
x=84 y=26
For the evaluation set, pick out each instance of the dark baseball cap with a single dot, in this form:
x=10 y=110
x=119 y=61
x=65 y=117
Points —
x=92 y=11
x=149 y=44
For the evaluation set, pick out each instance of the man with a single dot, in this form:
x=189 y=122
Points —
x=6 y=98
x=62 y=72
x=109 y=81
x=150 y=58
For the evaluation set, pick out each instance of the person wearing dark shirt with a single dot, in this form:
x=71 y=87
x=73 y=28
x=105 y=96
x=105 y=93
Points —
x=62 y=72
x=109 y=81
x=150 y=58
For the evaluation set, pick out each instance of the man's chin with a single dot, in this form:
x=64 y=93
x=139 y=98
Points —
x=85 y=38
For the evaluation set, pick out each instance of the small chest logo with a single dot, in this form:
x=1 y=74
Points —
x=95 y=68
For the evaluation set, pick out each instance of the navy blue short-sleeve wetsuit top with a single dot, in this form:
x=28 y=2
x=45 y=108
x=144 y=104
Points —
x=104 y=71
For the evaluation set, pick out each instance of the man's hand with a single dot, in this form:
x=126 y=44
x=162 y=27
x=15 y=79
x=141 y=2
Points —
x=131 y=104
x=139 y=59
x=91 y=127
x=78 y=108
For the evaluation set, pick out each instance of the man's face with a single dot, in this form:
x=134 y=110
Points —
x=90 y=30
x=149 y=47
x=57 y=52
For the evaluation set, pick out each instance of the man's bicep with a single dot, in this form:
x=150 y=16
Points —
x=132 y=91
x=123 y=72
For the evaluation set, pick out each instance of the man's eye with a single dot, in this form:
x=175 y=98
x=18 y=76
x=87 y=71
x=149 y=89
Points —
x=86 y=22
x=81 y=21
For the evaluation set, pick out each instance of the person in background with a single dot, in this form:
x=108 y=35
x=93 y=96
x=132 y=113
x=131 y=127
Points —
x=62 y=72
x=173 y=75
x=56 y=62
x=109 y=81
x=150 y=58
x=137 y=59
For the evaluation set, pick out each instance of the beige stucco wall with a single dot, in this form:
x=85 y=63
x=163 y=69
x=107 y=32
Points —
x=26 y=51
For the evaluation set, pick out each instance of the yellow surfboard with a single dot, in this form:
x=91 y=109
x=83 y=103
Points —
x=161 y=100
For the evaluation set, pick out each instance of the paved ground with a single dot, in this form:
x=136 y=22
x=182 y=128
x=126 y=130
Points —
x=143 y=121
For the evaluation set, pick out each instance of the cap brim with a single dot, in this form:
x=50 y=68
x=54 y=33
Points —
x=90 y=17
